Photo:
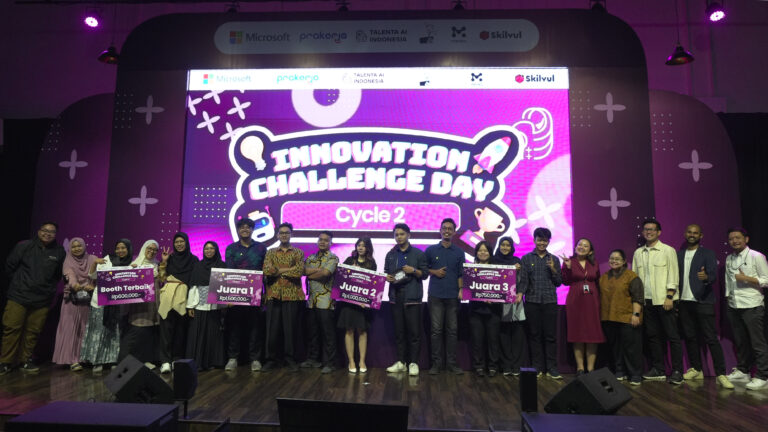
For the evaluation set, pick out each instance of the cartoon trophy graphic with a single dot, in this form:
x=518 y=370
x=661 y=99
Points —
x=488 y=221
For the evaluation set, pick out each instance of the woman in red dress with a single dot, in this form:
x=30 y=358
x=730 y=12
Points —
x=582 y=306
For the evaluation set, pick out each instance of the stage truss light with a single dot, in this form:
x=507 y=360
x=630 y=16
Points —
x=715 y=11
x=92 y=18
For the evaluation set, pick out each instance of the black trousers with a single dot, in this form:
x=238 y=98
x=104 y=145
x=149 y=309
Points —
x=173 y=337
x=660 y=327
x=749 y=338
x=542 y=334
x=443 y=317
x=485 y=338
x=698 y=320
x=321 y=331
x=407 y=320
x=512 y=344
x=282 y=318
x=140 y=343
x=245 y=322
x=625 y=344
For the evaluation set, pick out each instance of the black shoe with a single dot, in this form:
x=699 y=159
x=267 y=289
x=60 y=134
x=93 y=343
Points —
x=310 y=364
x=327 y=369
x=676 y=378
x=292 y=367
x=456 y=370
x=435 y=370
x=268 y=366
x=5 y=368
x=580 y=372
x=654 y=375
x=554 y=374
x=479 y=372
x=492 y=372
x=30 y=367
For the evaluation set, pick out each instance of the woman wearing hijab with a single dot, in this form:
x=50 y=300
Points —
x=141 y=334
x=484 y=323
x=175 y=271
x=205 y=339
x=101 y=343
x=76 y=304
x=512 y=333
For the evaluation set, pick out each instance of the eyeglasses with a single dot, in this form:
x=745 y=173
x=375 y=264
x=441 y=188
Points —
x=649 y=229
x=284 y=233
x=45 y=231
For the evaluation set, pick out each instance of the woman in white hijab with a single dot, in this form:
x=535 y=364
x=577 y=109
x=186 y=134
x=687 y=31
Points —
x=140 y=338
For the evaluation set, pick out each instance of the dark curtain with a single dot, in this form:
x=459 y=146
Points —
x=749 y=136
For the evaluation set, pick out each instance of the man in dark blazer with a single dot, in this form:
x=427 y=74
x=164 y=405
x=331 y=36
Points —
x=698 y=273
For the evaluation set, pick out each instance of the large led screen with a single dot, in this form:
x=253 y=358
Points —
x=356 y=150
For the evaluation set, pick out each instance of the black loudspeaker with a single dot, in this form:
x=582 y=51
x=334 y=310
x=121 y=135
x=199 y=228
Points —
x=597 y=392
x=132 y=382
x=184 y=379
x=304 y=415
x=529 y=399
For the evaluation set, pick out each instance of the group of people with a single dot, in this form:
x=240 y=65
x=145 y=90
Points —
x=665 y=290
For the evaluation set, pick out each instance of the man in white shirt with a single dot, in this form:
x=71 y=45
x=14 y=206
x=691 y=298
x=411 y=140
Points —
x=656 y=265
x=746 y=274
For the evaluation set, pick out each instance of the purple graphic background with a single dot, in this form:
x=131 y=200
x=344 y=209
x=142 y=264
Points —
x=249 y=280
x=481 y=274
x=372 y=285
x=118 y=278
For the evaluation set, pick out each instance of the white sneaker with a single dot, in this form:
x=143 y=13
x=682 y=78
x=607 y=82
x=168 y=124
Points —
x=231 y=365
x=397 y=367
x=413 y=369
x=255 y=366
x=737 y=375
x=165 y=368
x=149 y=365
x=757 y=384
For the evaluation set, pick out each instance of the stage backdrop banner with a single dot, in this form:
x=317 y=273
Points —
x=487 y=282
x=358 y=286
x=235 y=287
x=123 y=285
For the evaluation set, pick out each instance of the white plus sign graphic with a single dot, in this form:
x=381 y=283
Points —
x=515 y=224
x=73 y=164
x=142 y=200
x=230 y=132
x=614 y=203
x=609 y=107
x=208 y=122
x=215 y=95
x=149 y=110
x=544 y=212
x=191 y=104
x=695 y=166
x=238 y=108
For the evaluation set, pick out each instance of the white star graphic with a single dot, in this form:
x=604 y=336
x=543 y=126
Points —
x=614 y=203
x=544 y=212
x=191 y=104
x=695 y=166
x=149 y=110
x=73 y=164
x=143 y=200
x=609 y=107
x=215 y=95
x=238 y=108
x=208 y=122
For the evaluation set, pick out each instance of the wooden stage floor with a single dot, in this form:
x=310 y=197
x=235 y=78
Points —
x=442 y=402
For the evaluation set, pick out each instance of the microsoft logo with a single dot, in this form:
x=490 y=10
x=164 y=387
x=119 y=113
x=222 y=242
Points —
x=235 y=37
x=207 y=77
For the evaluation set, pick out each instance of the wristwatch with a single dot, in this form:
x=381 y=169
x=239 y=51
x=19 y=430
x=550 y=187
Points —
x=670 y=296
x=637 y=314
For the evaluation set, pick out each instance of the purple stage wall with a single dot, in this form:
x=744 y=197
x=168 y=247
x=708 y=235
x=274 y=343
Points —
x=621 y=171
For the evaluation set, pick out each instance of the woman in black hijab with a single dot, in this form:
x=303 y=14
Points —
x=101 y=343
x=511 y=334
x=178 y=264
x=205 y=339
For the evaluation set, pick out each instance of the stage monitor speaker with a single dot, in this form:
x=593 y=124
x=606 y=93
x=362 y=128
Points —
x=184 y=379
x=529 y=398
x=597 y=392
x=131 y=381
x=303 y=415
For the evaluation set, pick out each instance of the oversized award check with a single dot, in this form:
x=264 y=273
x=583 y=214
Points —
x=123 y=285
x=358 y=286
x=488 y=282
x=235 y=287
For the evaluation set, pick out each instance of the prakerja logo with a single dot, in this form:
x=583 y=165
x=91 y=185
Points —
x=364 y=180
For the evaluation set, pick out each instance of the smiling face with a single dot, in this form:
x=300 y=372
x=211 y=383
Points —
x=505 y=247
x=121 y=250
x=483 y=254
x=692 y=235
x=583 y=248
x=284 y=235
x=77 y=249
x=179 y=244
x=651 y=233
x=209 y=251
x=244 y=231
x=47 y=233
x=541 y=244
x=616 y=261
x=447 y=230
x=737 y=240
x=150 y=252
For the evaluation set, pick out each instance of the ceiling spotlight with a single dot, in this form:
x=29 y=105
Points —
x=92 y=18
x=679 y=56
x=109 y=56
x=715 y=11
x=458 y=5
